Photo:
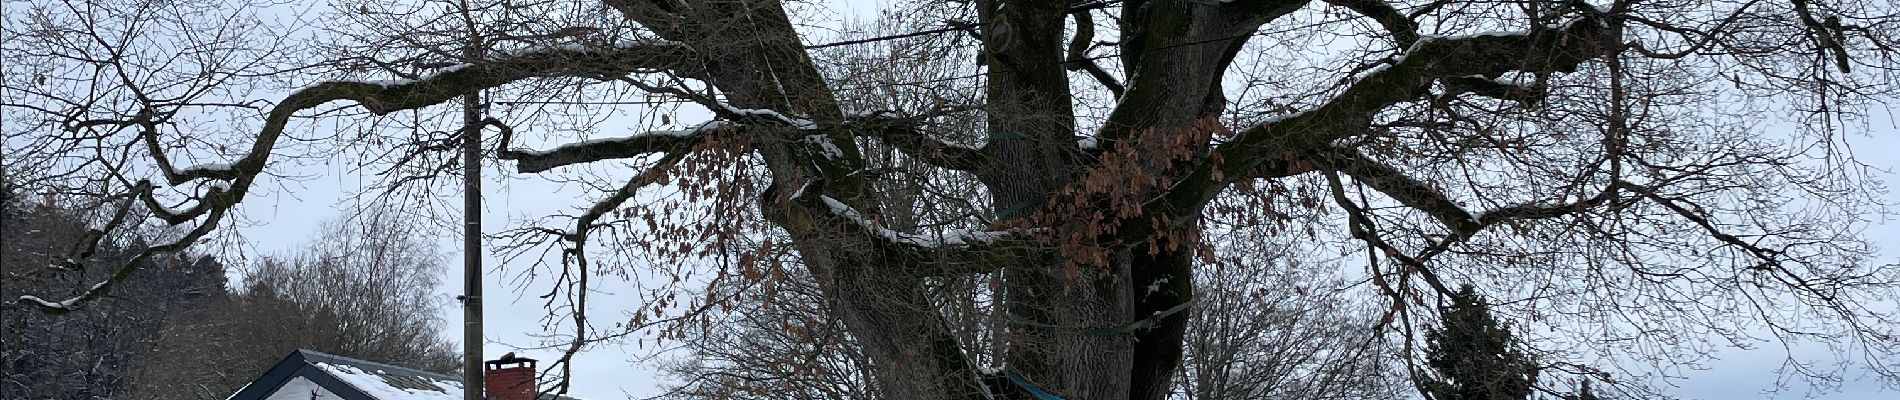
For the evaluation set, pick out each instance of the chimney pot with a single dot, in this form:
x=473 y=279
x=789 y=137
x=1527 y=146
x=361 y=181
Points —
x=510 y=378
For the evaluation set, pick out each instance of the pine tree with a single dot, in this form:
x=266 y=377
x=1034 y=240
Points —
x=1475 y=356
x=1584 y=393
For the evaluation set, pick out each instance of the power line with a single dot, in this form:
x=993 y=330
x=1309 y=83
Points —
x=953 y=26
x=603 y=103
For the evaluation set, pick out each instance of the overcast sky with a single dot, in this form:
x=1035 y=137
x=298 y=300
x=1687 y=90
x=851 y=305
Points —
x=286 y=219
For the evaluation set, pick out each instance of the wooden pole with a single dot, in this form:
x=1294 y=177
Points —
x=471 y=223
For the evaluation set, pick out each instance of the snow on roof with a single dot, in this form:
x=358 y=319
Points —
x=382 y=381
x=383 y=385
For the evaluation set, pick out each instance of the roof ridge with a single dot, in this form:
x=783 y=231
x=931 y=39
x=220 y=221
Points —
x=383 y=370
x=321 y=356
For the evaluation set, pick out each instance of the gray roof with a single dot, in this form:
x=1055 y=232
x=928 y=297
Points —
x=398 y=376
x=356 y=379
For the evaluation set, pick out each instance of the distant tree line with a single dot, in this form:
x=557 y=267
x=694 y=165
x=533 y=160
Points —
x=364 y=287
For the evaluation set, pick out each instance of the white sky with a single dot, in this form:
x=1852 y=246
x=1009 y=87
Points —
x=513 y=313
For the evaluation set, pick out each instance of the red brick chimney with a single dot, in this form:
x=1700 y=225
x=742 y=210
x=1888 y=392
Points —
x=510 y=378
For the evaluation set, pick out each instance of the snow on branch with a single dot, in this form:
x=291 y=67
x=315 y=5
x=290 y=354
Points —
x=943 y=239
x=532 y=161
x=206 y=168
x=799 y=123
x=947 y=253
x=124 y=271
x=907 y=134
x=62 y=306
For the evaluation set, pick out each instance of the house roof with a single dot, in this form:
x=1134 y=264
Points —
x=354 y=379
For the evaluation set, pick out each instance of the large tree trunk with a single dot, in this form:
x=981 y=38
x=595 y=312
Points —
x=1101 y=316
x=1033 y=143
x=1098 y=317
x=912 y=350
x=1093 y=246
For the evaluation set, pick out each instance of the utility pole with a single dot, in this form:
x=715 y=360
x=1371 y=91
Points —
x=472 y=249
x=472 y=341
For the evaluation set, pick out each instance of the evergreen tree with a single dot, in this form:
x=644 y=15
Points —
x=1474 y=356
x=1584 y=393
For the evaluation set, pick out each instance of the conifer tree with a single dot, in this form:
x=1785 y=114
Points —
x=1474 y=356
x=1585 y=393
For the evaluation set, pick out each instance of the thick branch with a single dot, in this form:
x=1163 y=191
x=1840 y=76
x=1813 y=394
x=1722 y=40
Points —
x=593 y=62
x=531 y=161
x=1827 y=35
x=1490 y=55
x=124 y=271
x=659 y=15
x=949 y=253
x=1078 y=55
x=1261 y=150
x=379 y=98
x=1403 y=29
x=1463 y=224
x=1399 y=186
x=1408 y=78
x=1261 y=11
x=1417 y=195
x=1174 y=58
x=906 y=134
x=384 y=97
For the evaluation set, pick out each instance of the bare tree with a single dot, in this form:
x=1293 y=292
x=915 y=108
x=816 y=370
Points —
x=1570 y=158
x=771 y=340
x=364 y=286
x=1282 y=330
x=91 y=355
